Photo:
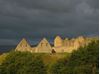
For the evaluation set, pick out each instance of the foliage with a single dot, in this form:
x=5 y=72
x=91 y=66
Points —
x=83 y=61
x=2 y=58
x=22 y=63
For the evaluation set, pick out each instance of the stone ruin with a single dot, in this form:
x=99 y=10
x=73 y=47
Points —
x=60 y=45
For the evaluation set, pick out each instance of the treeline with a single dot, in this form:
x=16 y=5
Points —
x=83 y=61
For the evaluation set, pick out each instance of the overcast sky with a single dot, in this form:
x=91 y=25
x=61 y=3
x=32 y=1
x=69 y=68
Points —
x=35 y=19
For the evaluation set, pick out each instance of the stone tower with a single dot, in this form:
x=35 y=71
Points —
x=43 y=47
x=23 y=46
x=58 y=42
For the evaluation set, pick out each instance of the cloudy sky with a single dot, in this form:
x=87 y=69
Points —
x=35 y=19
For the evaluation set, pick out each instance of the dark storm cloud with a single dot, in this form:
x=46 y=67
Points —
x=35 y=19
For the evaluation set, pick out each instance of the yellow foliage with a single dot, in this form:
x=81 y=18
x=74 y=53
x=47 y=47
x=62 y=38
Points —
x=2 y=58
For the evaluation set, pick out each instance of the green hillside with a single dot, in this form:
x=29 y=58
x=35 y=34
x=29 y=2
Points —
x=83 y=61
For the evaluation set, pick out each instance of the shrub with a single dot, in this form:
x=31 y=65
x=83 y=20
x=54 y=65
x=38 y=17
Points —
x=22 y=63
x=83 y=61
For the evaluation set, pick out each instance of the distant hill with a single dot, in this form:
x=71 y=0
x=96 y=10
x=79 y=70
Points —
x=6 y=48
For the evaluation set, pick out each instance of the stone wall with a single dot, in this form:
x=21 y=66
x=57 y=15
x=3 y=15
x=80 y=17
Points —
x=60 y=45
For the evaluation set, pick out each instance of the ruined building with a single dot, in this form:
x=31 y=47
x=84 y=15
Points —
x=60 y=45
x=23 y=46
x=43 y=47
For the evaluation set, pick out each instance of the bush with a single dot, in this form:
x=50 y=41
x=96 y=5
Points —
x=83 y=61
x=59 y=67
x=22 y=63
